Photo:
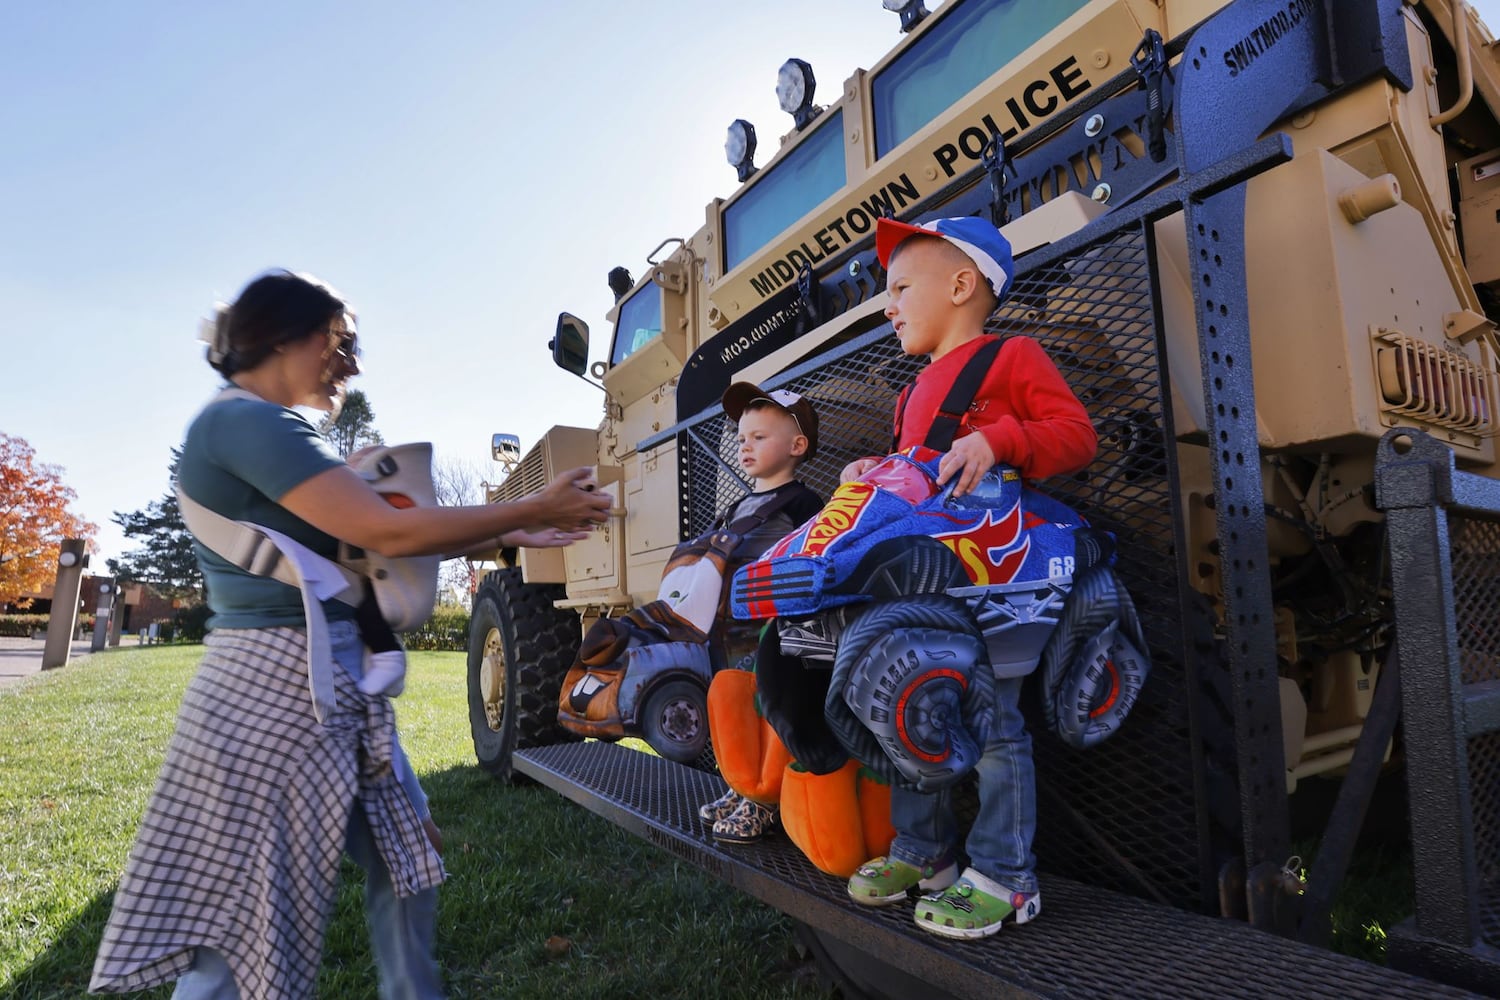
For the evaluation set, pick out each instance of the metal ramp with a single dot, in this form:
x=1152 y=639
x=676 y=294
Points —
x=1090 y=943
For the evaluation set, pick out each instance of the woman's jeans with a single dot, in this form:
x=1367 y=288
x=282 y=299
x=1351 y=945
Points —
x=999 y=844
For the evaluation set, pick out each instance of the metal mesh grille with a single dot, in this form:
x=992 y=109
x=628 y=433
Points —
x=1476 y=601
x=1087 y=943
x=853 y=394
x=1476 y=596
x=1133 y=797
x=1130 y=799
x=1484 y=791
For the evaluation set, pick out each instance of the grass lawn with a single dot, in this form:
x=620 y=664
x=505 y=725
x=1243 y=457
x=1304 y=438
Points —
x=546 y=899
x=80 y=748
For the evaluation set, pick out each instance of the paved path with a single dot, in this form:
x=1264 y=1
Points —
x=23 y=657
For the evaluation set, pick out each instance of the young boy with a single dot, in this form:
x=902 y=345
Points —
x=778 y=430
x=945 y=278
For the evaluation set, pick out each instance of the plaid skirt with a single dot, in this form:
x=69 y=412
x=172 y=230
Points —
x=239 y=848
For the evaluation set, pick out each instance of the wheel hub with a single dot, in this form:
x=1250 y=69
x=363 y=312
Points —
x=680 y=720
x=492 y=679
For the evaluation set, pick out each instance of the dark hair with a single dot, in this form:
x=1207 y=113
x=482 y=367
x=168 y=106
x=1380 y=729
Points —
x=274 y=309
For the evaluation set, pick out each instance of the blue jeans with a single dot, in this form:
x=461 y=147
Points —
x=999 y=844
x=403 y=932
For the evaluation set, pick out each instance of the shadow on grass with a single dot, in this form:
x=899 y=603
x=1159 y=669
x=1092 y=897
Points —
x=545 y=900
x=62 y=971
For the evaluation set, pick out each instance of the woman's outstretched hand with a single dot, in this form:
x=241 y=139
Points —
x=542 y=538
x=573 y=502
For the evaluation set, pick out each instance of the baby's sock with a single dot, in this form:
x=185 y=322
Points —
x=385 y=660
x=385 y=673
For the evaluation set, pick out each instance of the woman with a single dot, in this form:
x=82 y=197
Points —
x=232 y=875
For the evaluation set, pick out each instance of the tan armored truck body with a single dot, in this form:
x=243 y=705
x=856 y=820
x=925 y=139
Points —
x=1363 y=312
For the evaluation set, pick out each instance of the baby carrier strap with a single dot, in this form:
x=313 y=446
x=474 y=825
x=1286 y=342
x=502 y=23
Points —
x=960 y=397
x=246 y=545
x=401 y=590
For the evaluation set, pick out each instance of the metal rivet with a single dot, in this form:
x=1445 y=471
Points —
x=1093 y=126
x=1101 y=193
x=854 y=268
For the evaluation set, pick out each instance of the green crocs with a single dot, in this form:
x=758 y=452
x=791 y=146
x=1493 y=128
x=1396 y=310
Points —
x=975 y=907
x=885 y=880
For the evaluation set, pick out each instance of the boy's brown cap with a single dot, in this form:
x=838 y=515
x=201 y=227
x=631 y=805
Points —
x=738 y=397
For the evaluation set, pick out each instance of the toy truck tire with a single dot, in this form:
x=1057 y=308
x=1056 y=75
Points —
x=674 y=720
x=520 y=648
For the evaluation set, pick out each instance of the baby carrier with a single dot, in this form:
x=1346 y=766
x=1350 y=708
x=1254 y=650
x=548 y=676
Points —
x=393 y=595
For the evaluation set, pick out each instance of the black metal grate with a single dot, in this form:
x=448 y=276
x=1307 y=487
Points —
x=1128 y=804
x=1088 y=943
x=852 y=394
x=1484 y=792
x=1476 y=602
x=1476 y=596
x=1130 y=799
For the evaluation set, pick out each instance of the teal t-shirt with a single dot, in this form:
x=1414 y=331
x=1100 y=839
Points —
x=240 y=457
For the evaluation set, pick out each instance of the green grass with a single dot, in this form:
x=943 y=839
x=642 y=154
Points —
x=79 y=749
x=1377 y=893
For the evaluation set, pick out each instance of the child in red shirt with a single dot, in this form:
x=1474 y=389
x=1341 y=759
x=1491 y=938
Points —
x=945 y=278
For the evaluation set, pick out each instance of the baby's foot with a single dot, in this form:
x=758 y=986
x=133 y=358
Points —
x=385 y=673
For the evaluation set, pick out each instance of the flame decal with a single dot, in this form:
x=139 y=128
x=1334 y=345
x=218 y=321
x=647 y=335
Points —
x=993 y=549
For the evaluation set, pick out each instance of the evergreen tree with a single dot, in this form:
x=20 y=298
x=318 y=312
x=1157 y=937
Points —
x=166 y=561
x=354 y=427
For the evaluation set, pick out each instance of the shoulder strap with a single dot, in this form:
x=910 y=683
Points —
x=748 y=523
x=950 y=416
x=900 y=419
x=242 y=544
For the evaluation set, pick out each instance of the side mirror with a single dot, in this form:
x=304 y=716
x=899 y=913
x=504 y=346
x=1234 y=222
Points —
x=570 y=346
x=506 y=449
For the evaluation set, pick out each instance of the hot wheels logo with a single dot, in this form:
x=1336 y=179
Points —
x=838 y=516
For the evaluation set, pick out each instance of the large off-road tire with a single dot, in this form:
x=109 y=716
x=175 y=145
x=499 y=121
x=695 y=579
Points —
x=520 y=648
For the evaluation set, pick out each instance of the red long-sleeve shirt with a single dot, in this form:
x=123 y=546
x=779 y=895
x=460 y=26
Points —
x=1024 y=409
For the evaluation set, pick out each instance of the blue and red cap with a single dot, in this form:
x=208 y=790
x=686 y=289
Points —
x=977 y=238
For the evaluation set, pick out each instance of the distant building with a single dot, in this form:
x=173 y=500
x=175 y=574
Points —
x=142 y=604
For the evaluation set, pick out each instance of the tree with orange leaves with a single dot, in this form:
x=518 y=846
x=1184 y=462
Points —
x=34 y=519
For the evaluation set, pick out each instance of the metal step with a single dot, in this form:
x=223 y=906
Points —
x=1089 y=942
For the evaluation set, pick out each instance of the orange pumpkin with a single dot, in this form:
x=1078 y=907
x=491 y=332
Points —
x=751 y=757
x=839 y=820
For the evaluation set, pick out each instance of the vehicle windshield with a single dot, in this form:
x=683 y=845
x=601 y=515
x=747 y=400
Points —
x=958 y=53
x=786 y=192
x=639 y=324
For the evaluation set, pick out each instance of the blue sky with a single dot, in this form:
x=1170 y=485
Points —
x=461 y=170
